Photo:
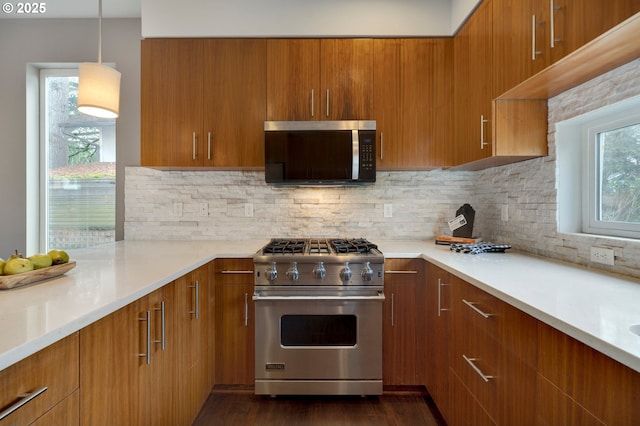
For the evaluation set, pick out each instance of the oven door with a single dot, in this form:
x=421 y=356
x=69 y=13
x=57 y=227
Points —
x=313 y=335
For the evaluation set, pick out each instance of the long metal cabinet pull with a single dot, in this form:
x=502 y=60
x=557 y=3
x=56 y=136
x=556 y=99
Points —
x=400 y=272
x=534 y=52
x=393 y=308
x=327 y=102
x=147 y=355
x=471 y=362
x=440 y=285
x=209 y=146
x=161 y=309
x=193 y=143
x=483 y=143
x=246 y=309
x=381 y=145
x=237 y=272
x=24 y=399
x=472 y=305
x=312 y=102
x=196 y=311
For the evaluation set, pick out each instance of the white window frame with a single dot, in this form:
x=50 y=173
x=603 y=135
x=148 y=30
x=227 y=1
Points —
x=591 y=171
x=573 y=170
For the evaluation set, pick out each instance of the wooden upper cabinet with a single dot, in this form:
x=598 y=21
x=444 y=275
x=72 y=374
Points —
x=473 y=57
x=327 y=79
x=576 y=22
x=293 y=79
x=520 y=37
x=413 y=88
x=203 y=102
x=235 y=93
x=346 y=79
x=171 y=106
x=529 y=35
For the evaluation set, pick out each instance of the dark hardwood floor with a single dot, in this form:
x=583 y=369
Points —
x=242 y=407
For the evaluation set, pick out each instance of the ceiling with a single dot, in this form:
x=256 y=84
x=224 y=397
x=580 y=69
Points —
x=80 y=9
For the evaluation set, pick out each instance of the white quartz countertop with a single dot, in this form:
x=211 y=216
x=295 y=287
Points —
x=593 y=307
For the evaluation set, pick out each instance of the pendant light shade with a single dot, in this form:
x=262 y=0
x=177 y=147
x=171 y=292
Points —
x=98 y=84
x=99 y=90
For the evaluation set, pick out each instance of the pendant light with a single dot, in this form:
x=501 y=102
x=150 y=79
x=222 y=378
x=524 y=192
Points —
x=99 y=85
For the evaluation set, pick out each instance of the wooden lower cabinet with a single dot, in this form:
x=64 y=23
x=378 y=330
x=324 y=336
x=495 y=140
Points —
x=467 y=411
x=437 y=332
x=54 y=367
x=402 y=343
x=145 y=364
x=587 y=385
x=235 y=340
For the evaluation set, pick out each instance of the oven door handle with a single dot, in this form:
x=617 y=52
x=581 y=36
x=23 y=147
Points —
x=257 y=297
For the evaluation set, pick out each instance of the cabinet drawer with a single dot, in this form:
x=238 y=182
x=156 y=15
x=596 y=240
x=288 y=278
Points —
x=467 y=410
x=234 y=271
x=66 y=413
x=475 y=360
x=478 y=308
x=54 y=368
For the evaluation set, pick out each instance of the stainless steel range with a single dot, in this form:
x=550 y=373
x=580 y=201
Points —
x=318 y=315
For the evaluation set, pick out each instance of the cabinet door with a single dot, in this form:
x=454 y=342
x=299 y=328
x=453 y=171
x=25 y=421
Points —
x=235 y=322
x=113 y=374
x=293 y=79
x=171 y=102
x=402 y=344
x=602 y=386
x=427 y=90
x=520 y=40
x=386 y=99
x=438 y=337
x=473 y=86
x=576 y=22
x=191 y=293
x=346 y=78
x=54 y=367
x=234 y=102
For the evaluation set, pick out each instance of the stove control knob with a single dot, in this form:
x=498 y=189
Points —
x=345 y=273
x=292 y=272
x=319 y=271
x=367 y=272
x=272 y=272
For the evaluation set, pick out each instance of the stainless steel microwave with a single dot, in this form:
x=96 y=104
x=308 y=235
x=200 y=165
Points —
x=309 y=153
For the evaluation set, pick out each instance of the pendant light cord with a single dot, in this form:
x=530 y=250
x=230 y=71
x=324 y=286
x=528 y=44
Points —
x=100 y=31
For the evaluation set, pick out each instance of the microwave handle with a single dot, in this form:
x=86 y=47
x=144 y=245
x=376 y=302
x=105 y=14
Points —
x=355 y=145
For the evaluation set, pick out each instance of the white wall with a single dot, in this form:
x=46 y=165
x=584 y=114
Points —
x=26 y=41
x=292 y=18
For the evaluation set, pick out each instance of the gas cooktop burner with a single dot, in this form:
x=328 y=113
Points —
x=319 y=246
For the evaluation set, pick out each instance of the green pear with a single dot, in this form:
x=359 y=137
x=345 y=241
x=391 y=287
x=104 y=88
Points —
x=17 y=265
x=58 y=256
x=40 y=260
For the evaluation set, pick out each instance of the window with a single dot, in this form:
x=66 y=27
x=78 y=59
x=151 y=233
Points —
x=613 y=163
x=77 y=167
x=598 y=171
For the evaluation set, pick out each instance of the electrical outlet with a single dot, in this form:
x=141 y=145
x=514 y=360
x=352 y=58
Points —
x=248 y=210
x=388 y=210
x=177 y=209
x=204 y=209
x=602 y=255
x=504 y=213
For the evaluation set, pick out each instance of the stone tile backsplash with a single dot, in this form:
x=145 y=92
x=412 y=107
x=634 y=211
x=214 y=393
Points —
x=422 y=201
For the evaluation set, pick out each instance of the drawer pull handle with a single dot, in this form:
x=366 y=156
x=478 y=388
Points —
x=196 y=300
x=471 y=362
x=24 y=399
x=400 y=272
x=440 y=285
x=147 y=319
x=472 y=305
x=236 y=272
